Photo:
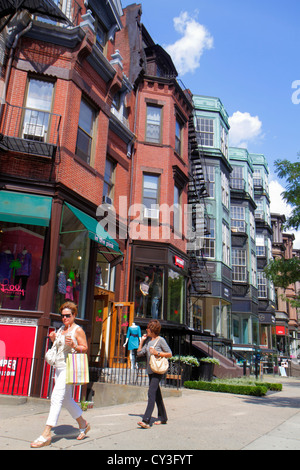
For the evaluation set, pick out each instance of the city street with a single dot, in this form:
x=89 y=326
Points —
x=197 y=421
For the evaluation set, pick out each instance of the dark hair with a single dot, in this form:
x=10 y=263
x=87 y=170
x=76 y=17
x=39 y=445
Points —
x=71 y=306
x=154 y=326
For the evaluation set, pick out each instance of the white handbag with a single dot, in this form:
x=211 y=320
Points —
x=158 y=365
x=50 y=356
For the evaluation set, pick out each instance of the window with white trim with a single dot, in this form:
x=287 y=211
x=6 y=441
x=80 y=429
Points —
x=225 y=190
x=210 y=175
x=209 y=241
x=253 y=269
x=252 y=225
x=153 y=125
x=262 y=285
x=238 y=222
x=225 y=244
x=239 y=265
x=206 y=129
x=224 y=141
x=260 y=245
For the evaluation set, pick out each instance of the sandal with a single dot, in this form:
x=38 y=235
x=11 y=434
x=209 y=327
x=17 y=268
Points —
x=160 y=422
x=143 y=425
x=83 y=432
x=40 y=442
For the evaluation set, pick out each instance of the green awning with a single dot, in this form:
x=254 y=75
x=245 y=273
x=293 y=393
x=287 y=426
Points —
x=95 y=230
x=24 y=208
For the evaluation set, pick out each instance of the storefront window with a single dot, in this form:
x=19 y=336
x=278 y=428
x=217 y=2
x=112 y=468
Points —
x=197 y=309
x=21 y=254
x=105 y=274
x=149 y=288
x=176 y=296
x=72 y=266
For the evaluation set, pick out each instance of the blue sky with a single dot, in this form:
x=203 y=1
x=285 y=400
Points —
x=245 y=53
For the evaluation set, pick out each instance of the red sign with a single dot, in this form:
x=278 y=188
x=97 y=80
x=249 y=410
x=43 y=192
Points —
x=17 y=347
x=179 y=262
x=281 y=330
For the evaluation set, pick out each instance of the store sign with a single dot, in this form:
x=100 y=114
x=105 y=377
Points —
x=17 y=348
x=179 y=262
x=281 y=331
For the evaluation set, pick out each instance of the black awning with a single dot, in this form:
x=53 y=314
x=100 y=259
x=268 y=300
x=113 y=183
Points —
x=45 y=8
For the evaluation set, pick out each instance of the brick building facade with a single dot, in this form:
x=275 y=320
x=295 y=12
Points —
x=93 y=174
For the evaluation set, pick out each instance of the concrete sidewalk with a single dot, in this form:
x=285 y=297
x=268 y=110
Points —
x=197 y=421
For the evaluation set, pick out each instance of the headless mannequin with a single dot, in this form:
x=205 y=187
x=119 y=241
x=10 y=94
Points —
x=133 y=337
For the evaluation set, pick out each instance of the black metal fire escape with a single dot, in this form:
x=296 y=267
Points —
x=200 y=278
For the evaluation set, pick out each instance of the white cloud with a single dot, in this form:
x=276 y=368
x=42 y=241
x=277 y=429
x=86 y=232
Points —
x=279 y=206
x=244 y=128
x=187 y=51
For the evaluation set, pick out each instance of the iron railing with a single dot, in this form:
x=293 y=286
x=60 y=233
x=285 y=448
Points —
x=30 y=124
x=18 y=375
x=119 y=371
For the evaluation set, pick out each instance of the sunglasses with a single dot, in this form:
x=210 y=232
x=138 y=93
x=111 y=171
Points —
x=68 y=315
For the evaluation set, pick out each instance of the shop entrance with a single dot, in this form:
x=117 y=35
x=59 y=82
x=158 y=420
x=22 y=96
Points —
x=122 y=317
x=110 y=322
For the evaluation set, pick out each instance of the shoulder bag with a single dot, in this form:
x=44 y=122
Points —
x=158 y=365
x=50 y=356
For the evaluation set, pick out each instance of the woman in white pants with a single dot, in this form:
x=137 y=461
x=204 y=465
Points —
x=70 y=338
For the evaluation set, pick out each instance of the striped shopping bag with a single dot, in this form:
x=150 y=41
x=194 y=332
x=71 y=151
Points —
x=77 y=369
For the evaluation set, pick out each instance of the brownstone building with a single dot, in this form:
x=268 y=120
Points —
x=94 y=171
x=157 y=262
x=64 y=145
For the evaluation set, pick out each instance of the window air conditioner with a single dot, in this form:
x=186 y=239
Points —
x=106 y=200
x=151 y=213
x=33 y=131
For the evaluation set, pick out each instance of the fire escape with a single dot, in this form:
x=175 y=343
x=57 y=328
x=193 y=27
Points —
x=200 y=278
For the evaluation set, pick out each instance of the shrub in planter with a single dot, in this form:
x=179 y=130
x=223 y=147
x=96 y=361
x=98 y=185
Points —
x=207 y=365
x=188 y=364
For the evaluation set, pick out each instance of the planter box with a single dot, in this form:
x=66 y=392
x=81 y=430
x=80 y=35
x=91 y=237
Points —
x=206 y=371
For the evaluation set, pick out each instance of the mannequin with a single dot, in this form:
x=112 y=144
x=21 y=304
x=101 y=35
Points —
x=24 y=271
x=98 y=277
x=133 y=338
x=61 y=285
x=144 y=289
x=6 y=258
x=156 y=296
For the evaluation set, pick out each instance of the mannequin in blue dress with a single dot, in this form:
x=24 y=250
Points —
x=133 y=339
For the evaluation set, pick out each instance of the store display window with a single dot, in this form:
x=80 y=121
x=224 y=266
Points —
x=73 y=260
x=148 y=291
x=21 y=254
x=105 y=274
x=176 y=296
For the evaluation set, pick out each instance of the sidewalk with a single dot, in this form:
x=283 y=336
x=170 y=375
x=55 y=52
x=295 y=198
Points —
x=197 y=421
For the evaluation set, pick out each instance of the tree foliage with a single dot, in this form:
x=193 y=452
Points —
x=284 y=272
x=291 y=173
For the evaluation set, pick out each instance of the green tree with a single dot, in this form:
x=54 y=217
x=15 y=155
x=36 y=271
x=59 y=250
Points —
x=284 y=272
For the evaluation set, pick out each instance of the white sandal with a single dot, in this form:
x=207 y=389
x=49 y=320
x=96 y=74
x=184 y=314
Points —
x=83 y=432
x=41 y=441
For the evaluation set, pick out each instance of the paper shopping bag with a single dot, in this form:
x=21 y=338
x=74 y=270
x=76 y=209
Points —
x=77 y=369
